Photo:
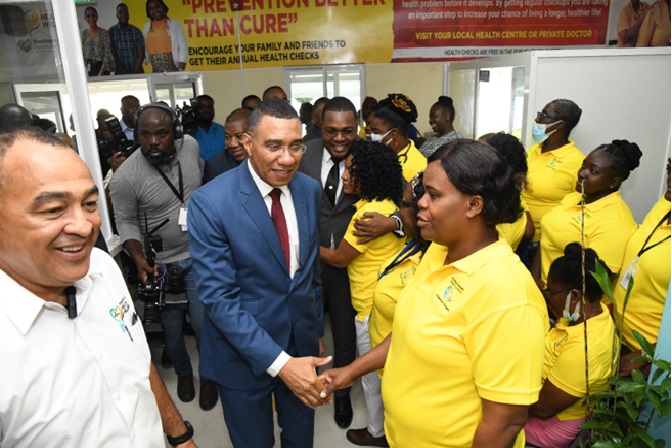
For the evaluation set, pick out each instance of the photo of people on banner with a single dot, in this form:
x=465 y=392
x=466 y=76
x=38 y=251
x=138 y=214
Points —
x=172 y=35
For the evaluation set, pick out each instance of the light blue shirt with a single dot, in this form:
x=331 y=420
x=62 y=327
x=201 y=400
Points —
x=211 y=142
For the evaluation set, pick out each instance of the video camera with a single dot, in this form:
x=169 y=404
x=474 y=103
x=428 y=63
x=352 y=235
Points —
x=188 y=116
x=120 y=144
x=165 y=289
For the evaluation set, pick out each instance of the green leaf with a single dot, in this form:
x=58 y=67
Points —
x=657 y=402
x=638 y=376
x=600 y=275
x=592 y=425
x=604 y=444
x=641 y=340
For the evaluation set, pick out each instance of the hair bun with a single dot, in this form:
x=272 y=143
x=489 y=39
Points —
x=402 y=105
x=630 y=151
x=445 y=100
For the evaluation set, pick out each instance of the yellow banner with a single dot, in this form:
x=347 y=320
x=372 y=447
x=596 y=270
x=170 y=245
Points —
x=268 y=33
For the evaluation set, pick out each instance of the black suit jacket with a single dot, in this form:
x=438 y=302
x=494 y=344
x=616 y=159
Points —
x=334 y=219
x=218 y=164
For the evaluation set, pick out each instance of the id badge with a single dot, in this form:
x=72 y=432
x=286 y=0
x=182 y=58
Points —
x=182 y=219
x=630 y=272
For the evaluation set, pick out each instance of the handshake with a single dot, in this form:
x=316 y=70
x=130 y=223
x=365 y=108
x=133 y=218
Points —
x=299 y=374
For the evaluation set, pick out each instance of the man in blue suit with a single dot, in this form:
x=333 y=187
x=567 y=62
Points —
x=254 y=241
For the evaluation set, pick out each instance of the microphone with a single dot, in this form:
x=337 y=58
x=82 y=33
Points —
x=71 y=301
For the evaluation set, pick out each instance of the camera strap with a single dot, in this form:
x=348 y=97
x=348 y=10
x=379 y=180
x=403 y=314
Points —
x=180 y=194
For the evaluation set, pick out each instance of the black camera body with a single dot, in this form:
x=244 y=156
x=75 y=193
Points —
x=188 y=116
x=168 y=291
x=165 y=289
x=120 y=143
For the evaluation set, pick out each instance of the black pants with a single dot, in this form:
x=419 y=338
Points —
x=336 y=296
x=94 y=69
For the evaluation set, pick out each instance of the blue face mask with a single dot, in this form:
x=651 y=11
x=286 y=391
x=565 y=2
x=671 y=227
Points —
x=379 y=137
x=539 y=131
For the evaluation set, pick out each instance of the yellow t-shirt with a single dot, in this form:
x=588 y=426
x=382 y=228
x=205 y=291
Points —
x=609 y=225
x=647 y=299
x=412 y=161
x=550 y=177
x=385 y=297
x=363 y=271
x=473 y=329
x=564 y=363
x=513 y=233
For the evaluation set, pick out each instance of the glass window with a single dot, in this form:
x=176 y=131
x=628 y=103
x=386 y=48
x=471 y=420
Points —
x=310 y=83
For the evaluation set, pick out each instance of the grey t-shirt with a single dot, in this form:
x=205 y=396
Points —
x=138 y=190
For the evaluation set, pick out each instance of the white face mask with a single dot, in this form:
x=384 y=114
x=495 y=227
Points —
x=379 y=137
x=577 y=310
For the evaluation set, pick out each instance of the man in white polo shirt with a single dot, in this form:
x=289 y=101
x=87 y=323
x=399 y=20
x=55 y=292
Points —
x=76 y=369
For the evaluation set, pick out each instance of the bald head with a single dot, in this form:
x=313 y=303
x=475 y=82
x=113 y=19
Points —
x=13 y=116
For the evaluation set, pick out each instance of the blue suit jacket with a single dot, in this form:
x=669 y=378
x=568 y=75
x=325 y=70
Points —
x=251 y=304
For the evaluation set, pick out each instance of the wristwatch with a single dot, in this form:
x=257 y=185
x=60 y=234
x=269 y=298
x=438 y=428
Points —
x=175 y=441
x=399 y=231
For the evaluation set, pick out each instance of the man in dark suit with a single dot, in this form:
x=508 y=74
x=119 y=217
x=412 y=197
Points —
x=325 y=160
x=234 y=128
x=254 y=239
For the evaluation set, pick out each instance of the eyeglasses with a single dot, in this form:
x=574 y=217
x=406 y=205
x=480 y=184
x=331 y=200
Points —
x=547 y=293
x=347 y=133
x=294 y=149
x=541 y=116
x=91 y=16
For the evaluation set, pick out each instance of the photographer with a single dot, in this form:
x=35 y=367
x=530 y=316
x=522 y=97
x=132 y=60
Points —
x=210 y=135
x=153 y=186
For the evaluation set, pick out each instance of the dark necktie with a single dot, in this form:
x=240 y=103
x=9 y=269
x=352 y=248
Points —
x=331 y=185
x=278 y=218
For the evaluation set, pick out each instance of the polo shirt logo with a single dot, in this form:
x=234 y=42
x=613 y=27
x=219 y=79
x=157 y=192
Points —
x=446 y=298
x=117 y=313
x=552 y=164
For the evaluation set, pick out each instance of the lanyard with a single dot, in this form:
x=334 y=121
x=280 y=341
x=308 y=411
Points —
x=180 y=194
x=408 y=251
x=404 y=154
x=644 y=248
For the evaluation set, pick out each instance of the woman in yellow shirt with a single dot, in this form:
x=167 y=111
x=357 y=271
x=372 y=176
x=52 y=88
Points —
x=393 y=276
x=555 y=419
x=373 y=173
x=553 y=162
x=390 y=124
x=647 y=257
x=465 y=356
x=607 y=220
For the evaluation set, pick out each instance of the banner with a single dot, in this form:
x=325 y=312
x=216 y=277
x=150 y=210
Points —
x=269 y=33
x=222 y=34
x=431 y=29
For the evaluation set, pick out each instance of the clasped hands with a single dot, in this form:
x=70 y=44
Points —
x=299 y=374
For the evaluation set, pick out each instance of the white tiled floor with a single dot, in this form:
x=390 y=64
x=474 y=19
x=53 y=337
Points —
x=209 y=427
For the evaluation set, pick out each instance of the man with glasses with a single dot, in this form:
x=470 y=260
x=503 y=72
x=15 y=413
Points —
x=256 y=258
